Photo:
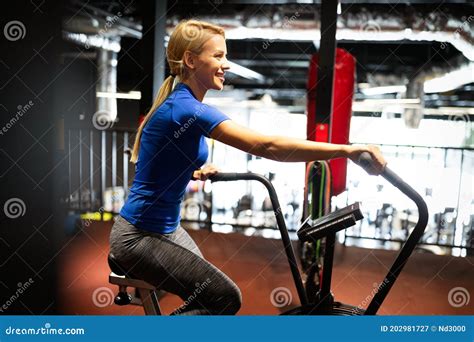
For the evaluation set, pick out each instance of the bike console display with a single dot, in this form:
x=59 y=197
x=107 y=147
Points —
x=312 y=230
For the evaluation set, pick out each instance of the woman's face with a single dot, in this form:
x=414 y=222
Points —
x=211 y=64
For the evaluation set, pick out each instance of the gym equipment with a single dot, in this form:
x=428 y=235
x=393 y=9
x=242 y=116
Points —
x=323 y=227
x=332 y=125
x=316 y=203
x=326 y=227
x=147 y=293
x=313 y=230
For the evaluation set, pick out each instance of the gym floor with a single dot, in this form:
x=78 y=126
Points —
x=258 y=266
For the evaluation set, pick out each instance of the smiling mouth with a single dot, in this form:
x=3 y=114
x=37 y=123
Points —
x=221 y=78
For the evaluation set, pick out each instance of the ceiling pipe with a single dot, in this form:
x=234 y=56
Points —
x=96 y=41
x=302 y=23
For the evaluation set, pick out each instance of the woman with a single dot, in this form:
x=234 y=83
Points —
x=169 y=150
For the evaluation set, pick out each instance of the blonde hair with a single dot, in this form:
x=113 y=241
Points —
x=189 y=35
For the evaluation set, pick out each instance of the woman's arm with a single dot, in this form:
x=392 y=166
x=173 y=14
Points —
x=286 y=149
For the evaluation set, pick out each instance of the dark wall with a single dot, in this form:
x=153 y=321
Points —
x=32 y=164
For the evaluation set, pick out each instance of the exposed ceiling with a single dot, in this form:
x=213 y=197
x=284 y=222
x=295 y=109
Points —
x=393 y=42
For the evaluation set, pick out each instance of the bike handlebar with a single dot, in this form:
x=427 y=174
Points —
x=366 y=162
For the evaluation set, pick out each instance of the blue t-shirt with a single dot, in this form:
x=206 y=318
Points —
x=172 y=147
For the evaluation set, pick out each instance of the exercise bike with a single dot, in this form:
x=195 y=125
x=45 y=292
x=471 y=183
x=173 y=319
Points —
x=326 y=226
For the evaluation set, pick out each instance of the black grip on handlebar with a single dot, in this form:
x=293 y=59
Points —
x=366 y=162
x=225 y=177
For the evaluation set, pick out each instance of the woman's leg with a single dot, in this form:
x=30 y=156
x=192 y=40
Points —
x=174 y=263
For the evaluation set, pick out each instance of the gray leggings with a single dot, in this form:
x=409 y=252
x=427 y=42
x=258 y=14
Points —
x=174 y=263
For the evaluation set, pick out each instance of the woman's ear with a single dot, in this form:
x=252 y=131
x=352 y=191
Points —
x=189 y=60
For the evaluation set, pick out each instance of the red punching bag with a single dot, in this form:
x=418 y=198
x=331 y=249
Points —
x=344 y=78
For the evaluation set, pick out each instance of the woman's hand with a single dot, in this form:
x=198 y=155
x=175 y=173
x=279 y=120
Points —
x=379 y=160
x=205 y=172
